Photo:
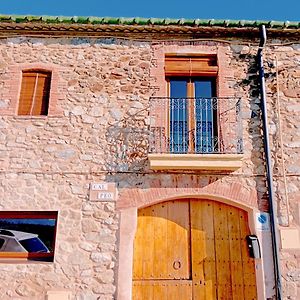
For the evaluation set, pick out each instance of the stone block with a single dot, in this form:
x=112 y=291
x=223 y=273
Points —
x=58 y=295
x=4 y=103
x=289 y=238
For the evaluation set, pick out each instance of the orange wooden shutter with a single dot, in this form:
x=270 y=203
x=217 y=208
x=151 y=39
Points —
x=27 y=89
x=183 y=65
x=41 y=102
x=35 y=89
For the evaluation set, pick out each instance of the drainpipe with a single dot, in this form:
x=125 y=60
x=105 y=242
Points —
x=269 y=173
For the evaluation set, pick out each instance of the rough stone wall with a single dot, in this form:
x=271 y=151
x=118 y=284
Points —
x=47 y=163
x=85 y=253
x=283 y=86
x=234 y=68
x=282 y=73
x=100 y=133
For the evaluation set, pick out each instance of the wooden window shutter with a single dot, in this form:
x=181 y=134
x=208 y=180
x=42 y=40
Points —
x=35 y=91
x=191 y=65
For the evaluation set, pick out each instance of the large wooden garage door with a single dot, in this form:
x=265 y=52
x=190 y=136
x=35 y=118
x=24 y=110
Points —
x=192 y=249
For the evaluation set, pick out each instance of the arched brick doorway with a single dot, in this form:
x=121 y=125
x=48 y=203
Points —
x=132 y=199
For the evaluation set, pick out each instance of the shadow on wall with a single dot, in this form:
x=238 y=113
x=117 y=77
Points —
x=250 y=84
x=127 y=158
x=128 y=143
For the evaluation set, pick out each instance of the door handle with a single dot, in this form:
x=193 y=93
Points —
x=177 y=264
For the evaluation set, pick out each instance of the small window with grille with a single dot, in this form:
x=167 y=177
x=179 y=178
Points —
x=35 y=92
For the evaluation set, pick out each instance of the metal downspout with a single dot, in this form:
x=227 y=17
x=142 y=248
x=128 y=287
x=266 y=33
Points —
x=269 y=173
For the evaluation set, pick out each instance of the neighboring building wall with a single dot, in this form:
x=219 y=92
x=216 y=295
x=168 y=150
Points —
x=98 y=132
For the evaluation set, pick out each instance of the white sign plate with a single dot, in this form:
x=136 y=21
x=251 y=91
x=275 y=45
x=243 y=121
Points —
x=262 y=221
x=103 y=191
x=99 y=186
x=106 y=196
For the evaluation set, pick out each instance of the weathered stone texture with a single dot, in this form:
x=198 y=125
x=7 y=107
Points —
x=75 y=142
x=85 y=244
x=287 y=167
x=47 y=163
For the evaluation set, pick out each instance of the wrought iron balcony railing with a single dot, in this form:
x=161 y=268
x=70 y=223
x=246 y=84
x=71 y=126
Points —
x=195 y=125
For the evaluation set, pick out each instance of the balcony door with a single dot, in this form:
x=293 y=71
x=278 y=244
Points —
x=192 y=114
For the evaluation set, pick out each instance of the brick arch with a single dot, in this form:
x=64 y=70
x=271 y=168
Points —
x=58 y=87
x=232 y=193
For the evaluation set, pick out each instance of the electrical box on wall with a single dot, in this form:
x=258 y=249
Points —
x=253 y=246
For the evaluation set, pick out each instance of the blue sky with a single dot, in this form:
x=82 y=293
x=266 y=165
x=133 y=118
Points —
x=207 y=9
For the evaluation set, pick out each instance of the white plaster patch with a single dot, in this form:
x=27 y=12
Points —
x=290 y=238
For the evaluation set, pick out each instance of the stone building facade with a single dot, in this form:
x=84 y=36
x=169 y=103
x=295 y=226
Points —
x=104 y=75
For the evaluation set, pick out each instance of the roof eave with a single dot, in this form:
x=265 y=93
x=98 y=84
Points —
x=147 y=31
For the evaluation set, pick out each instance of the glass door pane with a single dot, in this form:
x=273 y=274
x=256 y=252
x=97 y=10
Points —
x=178 y=116
x=204 y=116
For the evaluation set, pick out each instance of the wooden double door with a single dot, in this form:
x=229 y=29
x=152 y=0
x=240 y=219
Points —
x=192 y=249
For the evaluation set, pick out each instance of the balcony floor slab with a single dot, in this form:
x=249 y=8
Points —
x=216 y=162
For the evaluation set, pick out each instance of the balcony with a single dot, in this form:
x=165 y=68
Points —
x=195 y=134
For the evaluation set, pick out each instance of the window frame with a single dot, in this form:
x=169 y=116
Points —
x=12 y=88
x=45 y=101
x=191 y=120
x=47 y=257
x=190 y=65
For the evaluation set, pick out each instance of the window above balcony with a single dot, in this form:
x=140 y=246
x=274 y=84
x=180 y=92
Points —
x=192 y=128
